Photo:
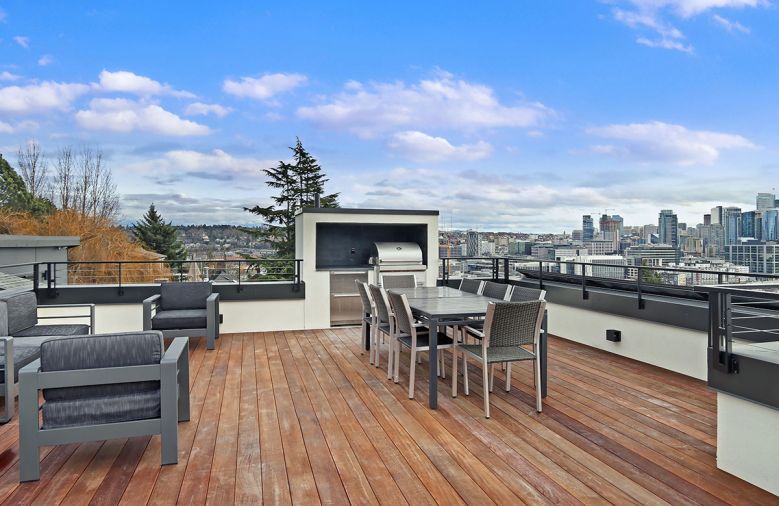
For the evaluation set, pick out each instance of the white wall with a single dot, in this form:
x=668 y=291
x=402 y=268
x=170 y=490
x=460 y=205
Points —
x=239 y=316
x=673 y=348
x=748 y=441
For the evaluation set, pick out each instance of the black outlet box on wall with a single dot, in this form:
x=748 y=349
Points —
x=613 y=335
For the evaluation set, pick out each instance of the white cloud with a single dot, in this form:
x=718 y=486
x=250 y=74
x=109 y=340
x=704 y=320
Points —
x=45 y=59
x=651 y=16
x=3 y=16
x=420 y=147
x=442 y=102
x=201 y=109
x=216 y=165
x=22 y=41
x=663 y=142
x=122 y=115
x=124 y=81
x=265 y=87
x=731 y=26
x=7 y=76
x=7 y=128
x=47 y=95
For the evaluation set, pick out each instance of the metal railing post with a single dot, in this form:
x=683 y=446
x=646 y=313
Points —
x=541 y=275
x=35 y=277
x=121 y=289
x=48 y=277
x=506 y=270
x=240 y=287
x=585 y=295
x=638 y=289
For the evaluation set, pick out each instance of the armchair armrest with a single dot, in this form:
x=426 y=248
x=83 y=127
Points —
x=175 y=376
x=149 y=304
x=212 y=310
x=91 y=314
x=179 y=346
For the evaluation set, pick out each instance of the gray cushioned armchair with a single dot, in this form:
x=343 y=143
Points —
x=103 y=387
x=21 y=334
x=184 y=309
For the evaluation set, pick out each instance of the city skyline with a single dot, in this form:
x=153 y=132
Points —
x=669 y=105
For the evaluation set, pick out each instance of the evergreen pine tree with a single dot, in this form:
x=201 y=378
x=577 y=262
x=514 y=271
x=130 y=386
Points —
x=154 y=234
x=297 y=184
x=14 y=195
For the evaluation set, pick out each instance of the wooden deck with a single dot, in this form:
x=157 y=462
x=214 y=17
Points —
x=300 y=417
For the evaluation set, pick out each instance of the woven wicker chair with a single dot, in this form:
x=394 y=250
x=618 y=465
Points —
x=388 y=282
x=523 y=293
x=384 y=324
x=415 y=337
x=471 y=285
x=368 y=314
x=509 y=327
x=496 y=290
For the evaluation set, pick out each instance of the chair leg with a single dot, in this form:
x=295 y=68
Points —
x=211 y=341
x=538 y=386
x=486 y=380
x=492 y=376
x=377 y=355
x=363 y=328
x=443 y=363
x=412 y=369
x=391 y=357
x=508 y=377
x=169 y=414
x=29 y=428
x=465 y=374
x=396 y=374
x=454 y=370
x=372 y=339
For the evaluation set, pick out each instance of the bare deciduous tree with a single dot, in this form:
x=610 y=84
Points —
x=33 y=169
x=84 y=182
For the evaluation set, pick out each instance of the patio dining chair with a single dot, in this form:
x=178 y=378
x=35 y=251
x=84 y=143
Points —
x=471 y=285
x=368 y=320
x=496 y=290
x=509 y=327
x=415 y=337
x=384 y=322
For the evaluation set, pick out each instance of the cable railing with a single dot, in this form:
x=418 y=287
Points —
x=639 y=279
x=50 y=275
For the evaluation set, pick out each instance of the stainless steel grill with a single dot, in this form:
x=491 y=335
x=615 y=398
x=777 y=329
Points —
x=395 y=258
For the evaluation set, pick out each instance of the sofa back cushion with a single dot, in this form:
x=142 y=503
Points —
x=18 y=311
x=101 y=351
x=184 y=295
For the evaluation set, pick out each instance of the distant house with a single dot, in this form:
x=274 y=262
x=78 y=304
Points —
x=20 y=251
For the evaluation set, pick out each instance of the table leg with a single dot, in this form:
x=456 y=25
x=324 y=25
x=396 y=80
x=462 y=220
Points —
x=366 y=336
x=433 y=394
x=543 y=345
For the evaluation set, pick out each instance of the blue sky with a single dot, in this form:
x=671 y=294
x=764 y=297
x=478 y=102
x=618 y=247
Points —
x=512 y=115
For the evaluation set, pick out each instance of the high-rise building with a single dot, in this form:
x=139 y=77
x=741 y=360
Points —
x=652 y=255
x=716 y=216
x=759 y=257
x=765 y=201
x=713 y=237
x=731 y=217
x=770 y=225
x=668 y=228
x=748 y=224
x=473 y=244
x=610 y=229
x=621 y=223
x=707 y=219
x=588 y=228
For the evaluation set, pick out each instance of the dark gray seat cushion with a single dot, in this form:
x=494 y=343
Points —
x=109 y=409
x=54 y=330
x=23 y=355
x=184 y=295
x=100 y=351
x=18 y=311
x=180 y=319
x=423 y=339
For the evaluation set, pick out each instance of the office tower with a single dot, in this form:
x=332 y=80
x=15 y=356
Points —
x=588 y=228
x=609 y=230
x=731 y=217
x=716 y=216
x=748 y=224
x=473 y=244
x=770 y=225
x=765 y=201
x=707 y=219
x=668 y=228
x=621 y=224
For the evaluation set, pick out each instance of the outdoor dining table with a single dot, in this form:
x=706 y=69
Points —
x=442 y=306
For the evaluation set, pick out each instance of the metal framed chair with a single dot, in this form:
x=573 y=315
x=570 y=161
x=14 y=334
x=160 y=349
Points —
x=471 y=285
x=103 y=387
x=368 y=312
x=508 y=328
x=21 y=335
x=384 y=323
x=496 y=290
x=186 y=309
x=416 y=338
x=388 y=282
x=523 y=293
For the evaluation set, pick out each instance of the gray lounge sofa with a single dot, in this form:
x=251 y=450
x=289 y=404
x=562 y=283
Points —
x=21 y=334
x=102 y=387
x=184 y=309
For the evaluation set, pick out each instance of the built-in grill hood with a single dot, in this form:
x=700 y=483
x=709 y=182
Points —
x=397 y=257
